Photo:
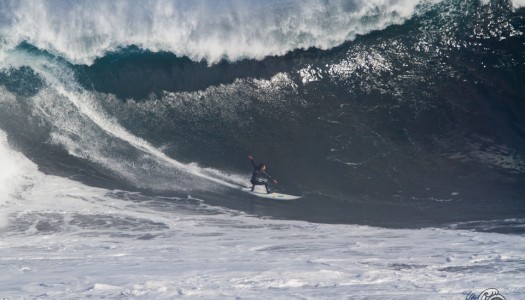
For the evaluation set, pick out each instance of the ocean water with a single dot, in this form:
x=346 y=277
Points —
x=125 y=128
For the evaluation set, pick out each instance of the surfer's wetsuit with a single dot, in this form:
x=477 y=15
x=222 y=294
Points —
x=259 y=177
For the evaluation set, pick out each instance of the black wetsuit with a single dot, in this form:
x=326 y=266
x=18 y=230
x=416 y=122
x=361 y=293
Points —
x=259 y=177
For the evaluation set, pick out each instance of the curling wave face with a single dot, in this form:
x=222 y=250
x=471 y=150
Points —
x=424 y=116
x=118 y=161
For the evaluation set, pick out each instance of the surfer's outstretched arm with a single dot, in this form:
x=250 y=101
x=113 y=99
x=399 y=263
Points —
x=251 y=160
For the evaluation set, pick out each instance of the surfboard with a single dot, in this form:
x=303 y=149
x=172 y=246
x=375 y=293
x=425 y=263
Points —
x=274 y=196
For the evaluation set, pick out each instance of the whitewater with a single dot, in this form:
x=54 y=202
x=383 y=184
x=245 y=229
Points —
x=209 y=30
x=111 y=192
x=204 y=30
x=61 y=240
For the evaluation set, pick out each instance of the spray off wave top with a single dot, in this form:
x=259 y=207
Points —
x=82 y=31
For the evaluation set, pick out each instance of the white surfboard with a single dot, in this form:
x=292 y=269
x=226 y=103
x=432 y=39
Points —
x=274 y=196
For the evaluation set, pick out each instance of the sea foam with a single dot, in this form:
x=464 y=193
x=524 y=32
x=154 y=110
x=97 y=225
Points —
x=209 y=30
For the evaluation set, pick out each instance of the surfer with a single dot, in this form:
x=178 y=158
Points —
x=259 y=175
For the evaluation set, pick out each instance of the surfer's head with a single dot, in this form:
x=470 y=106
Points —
x=262 y=166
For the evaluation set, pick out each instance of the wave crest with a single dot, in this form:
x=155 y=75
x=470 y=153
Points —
x=82 y=31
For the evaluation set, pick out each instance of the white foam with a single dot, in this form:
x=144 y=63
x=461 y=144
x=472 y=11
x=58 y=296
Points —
x=518 y=3
x=228 y=255
x=64 y=238
x=84 y=30
x=515 y=3
x=23 y=188
x=15 y=176
x=83 y=128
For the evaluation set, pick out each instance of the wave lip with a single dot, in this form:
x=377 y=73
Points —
x=82 y=31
